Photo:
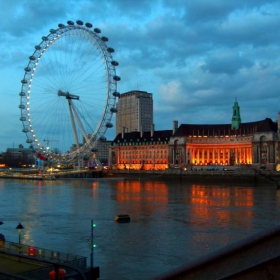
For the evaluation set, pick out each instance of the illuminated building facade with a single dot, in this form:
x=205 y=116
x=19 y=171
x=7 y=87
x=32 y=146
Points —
x=140 y=150
x=255 y=144
x=236 y=144
x=134 y=112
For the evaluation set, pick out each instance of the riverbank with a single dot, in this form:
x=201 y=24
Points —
x=198 y=176
x=192 y=176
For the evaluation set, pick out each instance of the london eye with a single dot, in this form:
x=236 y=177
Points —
x=68 y=92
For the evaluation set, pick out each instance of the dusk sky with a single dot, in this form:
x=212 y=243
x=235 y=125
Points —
x=195 y=57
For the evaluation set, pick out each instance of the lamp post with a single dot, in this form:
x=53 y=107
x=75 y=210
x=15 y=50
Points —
x=19 y=228
x=93 y=225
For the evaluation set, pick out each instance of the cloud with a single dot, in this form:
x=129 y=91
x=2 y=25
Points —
x=196 y=57
x=226 y=62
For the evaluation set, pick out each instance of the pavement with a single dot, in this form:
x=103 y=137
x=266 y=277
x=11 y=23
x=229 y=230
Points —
x=16 y=265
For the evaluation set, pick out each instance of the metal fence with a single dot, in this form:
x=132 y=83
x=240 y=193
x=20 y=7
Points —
x=44 y=254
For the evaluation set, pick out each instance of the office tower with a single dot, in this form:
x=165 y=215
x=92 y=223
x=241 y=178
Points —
x=135 y=112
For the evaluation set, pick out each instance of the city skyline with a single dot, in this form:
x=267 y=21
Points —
x=195 y=58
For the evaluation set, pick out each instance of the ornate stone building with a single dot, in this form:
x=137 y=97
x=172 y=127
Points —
x=235 y=144
x=140 y=150
x=254 y=144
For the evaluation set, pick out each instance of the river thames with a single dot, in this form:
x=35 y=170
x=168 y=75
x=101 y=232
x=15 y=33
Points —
x=172 y=223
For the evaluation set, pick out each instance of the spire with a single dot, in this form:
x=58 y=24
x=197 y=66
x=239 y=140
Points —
x=236 y=119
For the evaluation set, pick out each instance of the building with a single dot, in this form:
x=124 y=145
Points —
x=253 y=143
x=134 y=112
x=237 y=144
x=103 y=151
x=140 y=150
x=201 y=146
x=18 y=157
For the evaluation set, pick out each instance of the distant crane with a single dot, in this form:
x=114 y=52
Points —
x=48 y=141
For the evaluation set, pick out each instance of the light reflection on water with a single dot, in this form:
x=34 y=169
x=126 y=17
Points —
x=171 y=222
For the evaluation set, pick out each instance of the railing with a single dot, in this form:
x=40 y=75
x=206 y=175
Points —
x=35 y=268
x=255 y=257
x=44 y=254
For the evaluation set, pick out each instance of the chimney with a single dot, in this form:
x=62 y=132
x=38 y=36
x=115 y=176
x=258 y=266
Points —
x=123 y=132
x=175 y=126
x=152 y=130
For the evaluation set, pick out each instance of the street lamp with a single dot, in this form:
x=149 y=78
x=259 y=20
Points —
x=93 y=225
x=19 y=228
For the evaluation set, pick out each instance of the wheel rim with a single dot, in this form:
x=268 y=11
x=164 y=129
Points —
x=68 y=92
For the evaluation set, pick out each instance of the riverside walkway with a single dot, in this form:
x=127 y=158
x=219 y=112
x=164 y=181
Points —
x=28 y=262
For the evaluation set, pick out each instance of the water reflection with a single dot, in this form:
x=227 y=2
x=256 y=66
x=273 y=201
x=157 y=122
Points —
x=138 y=191
x=171 y=222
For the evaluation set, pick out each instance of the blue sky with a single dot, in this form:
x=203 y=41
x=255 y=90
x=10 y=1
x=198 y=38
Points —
x=195 y=57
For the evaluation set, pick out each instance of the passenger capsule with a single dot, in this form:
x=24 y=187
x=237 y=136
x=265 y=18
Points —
x=113 y=110
x=21 y=106
x=25 y=130
x=104 y=39
x=23 y=81
x=102 y=138
x=79 y=22
x=45 y=38
x=29 y=141
x=61 y=25
x=109 y=125
x=110 y=50
x=52 y=31
x=32 y=57
x=69 y=22
x=116 y=94
x=97 y=30
x=27 y=69
x=37 y=48
x=23 y=119
x=22 y=93
x=117 y=78
x=88 y=25
x=114 y=63
x=94 y=150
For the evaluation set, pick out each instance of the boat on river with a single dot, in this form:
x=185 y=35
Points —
x=123 y=218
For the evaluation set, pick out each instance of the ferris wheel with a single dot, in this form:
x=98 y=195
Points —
x=68 y=93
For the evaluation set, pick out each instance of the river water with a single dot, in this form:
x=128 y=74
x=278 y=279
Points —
x=172 y=223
